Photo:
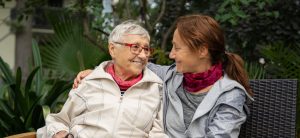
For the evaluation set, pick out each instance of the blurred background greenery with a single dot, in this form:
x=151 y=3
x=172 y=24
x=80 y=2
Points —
x=266 y=33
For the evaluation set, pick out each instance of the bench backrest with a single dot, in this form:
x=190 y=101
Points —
x=273 y=113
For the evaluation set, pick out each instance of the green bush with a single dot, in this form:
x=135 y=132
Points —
x=23 y=105
x=249 y=24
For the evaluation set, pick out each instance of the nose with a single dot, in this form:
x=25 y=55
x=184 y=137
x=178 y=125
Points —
x=172 y=54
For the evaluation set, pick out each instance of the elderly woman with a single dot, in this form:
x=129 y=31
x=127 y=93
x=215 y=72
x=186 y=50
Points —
x=207 y=88
x=120 y=98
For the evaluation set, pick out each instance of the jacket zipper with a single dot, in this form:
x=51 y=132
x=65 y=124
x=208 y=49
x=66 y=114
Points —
x=118 y=114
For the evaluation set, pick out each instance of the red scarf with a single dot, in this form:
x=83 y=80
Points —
x=198 y=81
x=124 y=85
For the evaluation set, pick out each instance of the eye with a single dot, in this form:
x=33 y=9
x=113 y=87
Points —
x=135 y=47
x=146 y=49
x=176 y=48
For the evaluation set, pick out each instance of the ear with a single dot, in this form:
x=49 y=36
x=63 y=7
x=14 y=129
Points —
x=203 y=51
x=111 y=49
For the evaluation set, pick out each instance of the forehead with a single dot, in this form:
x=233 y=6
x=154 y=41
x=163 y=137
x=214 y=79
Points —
x=177 y=38
x=132 y=38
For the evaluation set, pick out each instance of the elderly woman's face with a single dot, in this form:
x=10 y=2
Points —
x=130 y=55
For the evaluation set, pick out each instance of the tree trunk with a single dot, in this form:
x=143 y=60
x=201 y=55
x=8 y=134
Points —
x=23 y=51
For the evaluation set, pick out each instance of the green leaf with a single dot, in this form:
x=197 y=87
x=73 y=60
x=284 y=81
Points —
x=5 y=124
x=233 y=21
x=13 y=121
x=30 y=79
x=46 y=111
x=225 y=4
x=261 y=5
x=38 y=63
x=221 y=10
x=6 y=72
x=19 y=79
x=6 y=108
x=225 y=17
x=4 y=128
x=255 y=70
x=241 y=14
x=37 y=117
x=245 y=2
x=19 y=95
x=28 y=119
x=3 y=90
x=235 y=8
x=57 y=89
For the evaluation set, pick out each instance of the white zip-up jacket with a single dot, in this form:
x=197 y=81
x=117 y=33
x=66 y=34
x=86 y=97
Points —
x=97 y=109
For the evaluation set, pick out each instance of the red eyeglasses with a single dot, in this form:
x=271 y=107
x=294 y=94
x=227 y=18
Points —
x=136 y=49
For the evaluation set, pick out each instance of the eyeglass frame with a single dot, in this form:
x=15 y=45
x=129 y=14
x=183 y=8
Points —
x=139 y=50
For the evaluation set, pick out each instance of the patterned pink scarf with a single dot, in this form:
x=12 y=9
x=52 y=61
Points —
x=196 y=82
x=124 y=85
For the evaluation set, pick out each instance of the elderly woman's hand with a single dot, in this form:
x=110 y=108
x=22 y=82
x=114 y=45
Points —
x=80 y=76
x=62 y=134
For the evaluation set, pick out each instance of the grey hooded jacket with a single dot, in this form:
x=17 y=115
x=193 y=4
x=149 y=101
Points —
x=219 y=115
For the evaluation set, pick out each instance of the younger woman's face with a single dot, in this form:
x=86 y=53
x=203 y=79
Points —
x=187 y=61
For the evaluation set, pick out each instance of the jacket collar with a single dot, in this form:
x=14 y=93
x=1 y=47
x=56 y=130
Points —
x=99 y=73
x=220 y=87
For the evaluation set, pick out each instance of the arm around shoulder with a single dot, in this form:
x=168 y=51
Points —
x=159 y=70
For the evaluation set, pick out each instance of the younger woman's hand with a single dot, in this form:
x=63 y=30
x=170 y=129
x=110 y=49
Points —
x=80 y=76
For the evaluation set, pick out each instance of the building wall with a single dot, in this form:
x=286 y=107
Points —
x=7 y=41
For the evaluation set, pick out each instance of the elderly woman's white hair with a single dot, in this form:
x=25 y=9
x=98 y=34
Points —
x=128 y=27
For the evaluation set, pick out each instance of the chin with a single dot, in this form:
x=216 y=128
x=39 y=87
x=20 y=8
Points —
x=137 y=72
x=179 y=69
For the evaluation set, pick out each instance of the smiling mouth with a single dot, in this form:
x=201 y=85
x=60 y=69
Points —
x=138 y=62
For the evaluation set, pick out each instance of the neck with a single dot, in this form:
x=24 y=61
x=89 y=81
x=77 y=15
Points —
x=123 y=84
x=122 y=74
x=202 y=67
